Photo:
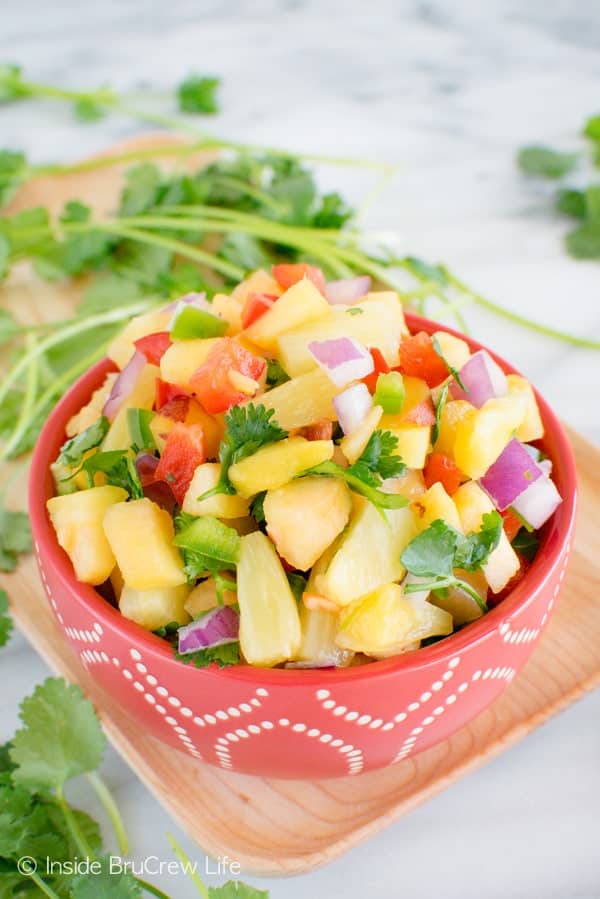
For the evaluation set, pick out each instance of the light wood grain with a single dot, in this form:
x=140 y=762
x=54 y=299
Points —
x=289 y=827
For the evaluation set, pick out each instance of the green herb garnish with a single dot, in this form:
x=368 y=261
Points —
x=526 y=544
x=439 y=408
x=197 y=94
x=119 y=468
x=6 y=622
x=545 y=162
x=453 y=371
x=225 y=655
x=15 y=537
x=72 y=452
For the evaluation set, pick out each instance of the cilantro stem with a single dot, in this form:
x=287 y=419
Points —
x=110 y=807
x=42 y=885
x=442 y=583
x=150 y=888
x=31 y=386
x=187 y=866
x=78 y=837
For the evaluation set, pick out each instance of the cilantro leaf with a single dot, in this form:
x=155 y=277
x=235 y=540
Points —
x=119 y=468
x=592 y=203
x=584 y=242
x=544 y=162
x=224 y=656
x=473 y=550
x=197 y=94
x=142 y=184
x=27 y=826
x=87 y=110
x=453 y=371
x=334 y=212
x=109 y=291
x=526 y=544
x=234 y=889
x=257 y=507
x=44 y=751
x=571 y=202
x=6 y=622
x=592 y=128
x=426 y=271
x=15 y=538
x=245 y=251
x=73 y=451
x=275 y=373
x=13 y=169
x=439 y=408
x=108 y=884
x=247 y=429
x=431 y=553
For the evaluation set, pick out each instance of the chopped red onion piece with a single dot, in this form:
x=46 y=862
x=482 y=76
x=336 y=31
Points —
x=343 y=359
x=352 y=406
x=348 y=290
x=146 y=465
x=217 y=627
x=483 y=380
x=124 y=384
x=510 y=475
x=536 y=504
x=160 y=493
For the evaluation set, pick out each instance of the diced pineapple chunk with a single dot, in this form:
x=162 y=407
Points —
x=277 y=464
x=434 y=504
x=452 y=414
x=269 y=619
x=141 y=397
x=367 y=554
x=77 y=519
x=204 y=597
x=531 y=428
x=122 y=348
x=459 y=604
x=152 y=609
x=454 y=350
x=221 y=505
x=480 y=438
x=319 y=629
x=411 y=484
x=183 y=358
x=92 y=411
x=303 y=400
x=413 y=443
x=141 y=537
x=229 y=309
x=386 y=621
x=160 y=428
x=472 y=504
x=305 y=516
x=380 y=323
x=259 y=281
x=353 y=445
x=299 y=304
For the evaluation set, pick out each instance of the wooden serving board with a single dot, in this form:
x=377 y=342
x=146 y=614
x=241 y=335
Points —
x=289 y=827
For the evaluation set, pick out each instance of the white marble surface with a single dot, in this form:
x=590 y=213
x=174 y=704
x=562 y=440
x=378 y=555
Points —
x=449 y=90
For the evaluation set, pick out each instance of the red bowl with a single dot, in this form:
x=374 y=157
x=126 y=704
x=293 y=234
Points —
x=302 y=723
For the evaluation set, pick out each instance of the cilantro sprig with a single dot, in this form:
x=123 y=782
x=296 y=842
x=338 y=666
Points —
x=435 y=553
x=198 y=94
x=439 y=408
x=377 y=462
x=453 y=371
x=247 y=429
x=119 y=468
x=6 y=622
x=72 y=452
x=15 y=537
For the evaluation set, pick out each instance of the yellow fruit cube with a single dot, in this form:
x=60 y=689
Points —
x=386 y=621
x=141 y=397
x=531 y=428
x=299 y=304
x=204 y=597
x=221 y=505
x=436 y=504
x=411 y=485
x=141 y=535
x=77 y=519
x=122 y=348
x=305 y=516
x=269 y=619
x=92 y=411
x=367 y=554
x=302 y=400
x=258 y=282
x=183 y=358
x=472 y=503
x=459 y=604
x=452 y=414
x=353 y=445
x=413 y=443
x=480 y=438
x=319 y=629
x=229 y=309
x=152 y=609
x=379 y=323
x=277 y=464
x=454 y=350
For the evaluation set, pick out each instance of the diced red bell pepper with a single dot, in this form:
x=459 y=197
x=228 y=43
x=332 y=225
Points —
x=381 y=368
x=494 y=599
x=421 y=414
x=288 y=274
x=442 y=468
x=512 y=524
x=320 y=430
x=154 y=346
x=177 y=408
x=255 y=306
x=419 y=358
x=166 y=392
x=183 y=453
x=211 y=382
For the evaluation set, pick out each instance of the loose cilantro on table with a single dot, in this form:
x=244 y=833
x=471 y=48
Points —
x=15 y=537
x=377 y=463
x=453 y=371
x=6 y=622
x=198 y=94
x=545 y=162
x=247 y=429
x=435 y=553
